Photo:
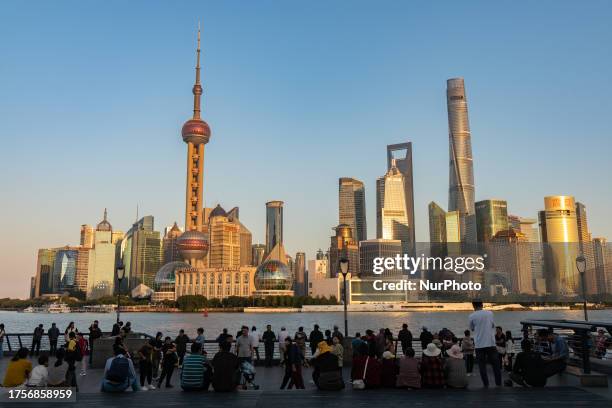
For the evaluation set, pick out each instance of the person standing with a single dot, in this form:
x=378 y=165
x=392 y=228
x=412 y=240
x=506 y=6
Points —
x=36 y=338
x=181 y=346
x=314 y=339
x=116 y=328
x=200 y=338
x=509 y=351
x=426 y=337
x=94 y=334
x=225 y=365
x=2 y=336
x=244 y=347
x=156 y=353
x=482 y=324
x=500 y=345
x=269 y=338
x=337 y=333
x=145 y=355
x=282 y=350
x=53 y=334
x=84 y=350
x=255 y=341
x=293 y=367
x=467 y=348
x=69 y=329
x=405 y=338
x=300 y=341
x=169 y=361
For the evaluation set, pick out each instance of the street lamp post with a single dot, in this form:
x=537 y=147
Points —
x=581 y=266
x=120 y=275
x=344 y=267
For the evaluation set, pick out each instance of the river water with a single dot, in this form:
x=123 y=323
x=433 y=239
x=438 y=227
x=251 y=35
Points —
x=170 y=323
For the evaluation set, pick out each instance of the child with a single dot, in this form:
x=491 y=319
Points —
x=84 y=349
x=467 y=348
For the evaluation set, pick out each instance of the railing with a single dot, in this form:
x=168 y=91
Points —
x=14 y=341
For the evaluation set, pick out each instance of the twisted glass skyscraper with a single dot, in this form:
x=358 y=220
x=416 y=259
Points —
x=461 y=174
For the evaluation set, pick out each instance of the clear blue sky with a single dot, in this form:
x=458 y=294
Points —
x=93 y=96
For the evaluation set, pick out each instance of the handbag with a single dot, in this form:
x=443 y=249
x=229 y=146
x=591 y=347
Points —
x=360 y=384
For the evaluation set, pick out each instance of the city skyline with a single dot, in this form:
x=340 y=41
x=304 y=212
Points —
x=55 y=219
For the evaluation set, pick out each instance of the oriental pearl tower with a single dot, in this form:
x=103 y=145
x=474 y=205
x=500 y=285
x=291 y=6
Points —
x=193 y=243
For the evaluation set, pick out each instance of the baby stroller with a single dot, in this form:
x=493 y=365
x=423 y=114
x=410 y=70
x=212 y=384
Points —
x=247 y=371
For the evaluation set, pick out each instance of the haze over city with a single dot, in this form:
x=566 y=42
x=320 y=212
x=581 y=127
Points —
x=296 y=95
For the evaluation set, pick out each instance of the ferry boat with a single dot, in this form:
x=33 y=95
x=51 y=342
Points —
x=57 y=308
x=32 y=309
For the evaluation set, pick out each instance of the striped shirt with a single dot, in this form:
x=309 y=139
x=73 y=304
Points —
x=192 y=374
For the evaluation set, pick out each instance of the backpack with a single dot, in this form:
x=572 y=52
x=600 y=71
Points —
x=119 y=370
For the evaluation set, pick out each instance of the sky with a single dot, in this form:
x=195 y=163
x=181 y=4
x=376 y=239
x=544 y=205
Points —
x=297 y=94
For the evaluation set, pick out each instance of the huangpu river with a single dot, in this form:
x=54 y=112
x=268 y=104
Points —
x=171 y=323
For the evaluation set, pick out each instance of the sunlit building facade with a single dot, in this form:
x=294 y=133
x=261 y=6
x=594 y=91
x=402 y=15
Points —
x=400 y=156
x=559 y=231
x=224 y=240
x=392 y=222
x=216 y=282
x=351 y=205
x=378 y=248
x=491 y=218
x=343 y=245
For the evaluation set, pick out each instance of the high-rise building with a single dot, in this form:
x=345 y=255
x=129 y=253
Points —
x=461 y=191
x=87 y=236
x=559 y=231
x=145 y=253
x=82 y=269
x=603 y=265
x=437 y=230
x=317 y=269
x=378 y=248
x=392 y=221
x=453 y=232
x=491 y=218
x=299 y=271
x=437 y=223
x=44 y=271
x=274 y=224
x=170 y=244
x=351 y=204
x=509 y=256
x=343 y=245
x=259 y=253
x=400 y=154
x=101 y=265
x=224 y=240
x=585 y=245
x=64 y=270
x=527 y=226
x=246 y=238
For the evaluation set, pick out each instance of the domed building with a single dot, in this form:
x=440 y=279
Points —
x=274 y=277
x=166 y=276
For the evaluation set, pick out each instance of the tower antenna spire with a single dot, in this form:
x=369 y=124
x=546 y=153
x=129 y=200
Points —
x=197 y=87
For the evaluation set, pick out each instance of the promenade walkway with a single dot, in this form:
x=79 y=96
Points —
x=563 y=391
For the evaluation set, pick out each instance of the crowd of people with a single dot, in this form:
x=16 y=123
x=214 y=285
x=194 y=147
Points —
x=445 y=360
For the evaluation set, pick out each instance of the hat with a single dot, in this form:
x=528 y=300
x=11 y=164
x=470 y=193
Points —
x=438 y=343
x=323 y=347
x=455 y=352
x=431 y=350
x=387 y=355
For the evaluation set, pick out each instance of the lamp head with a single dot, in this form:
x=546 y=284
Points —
x=581 y=263
x=120 y=270
x=344 y=266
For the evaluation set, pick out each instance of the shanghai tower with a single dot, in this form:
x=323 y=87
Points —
x=461 y=172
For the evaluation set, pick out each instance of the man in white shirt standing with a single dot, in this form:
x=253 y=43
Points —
x=483 y=326
x=281 y=343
